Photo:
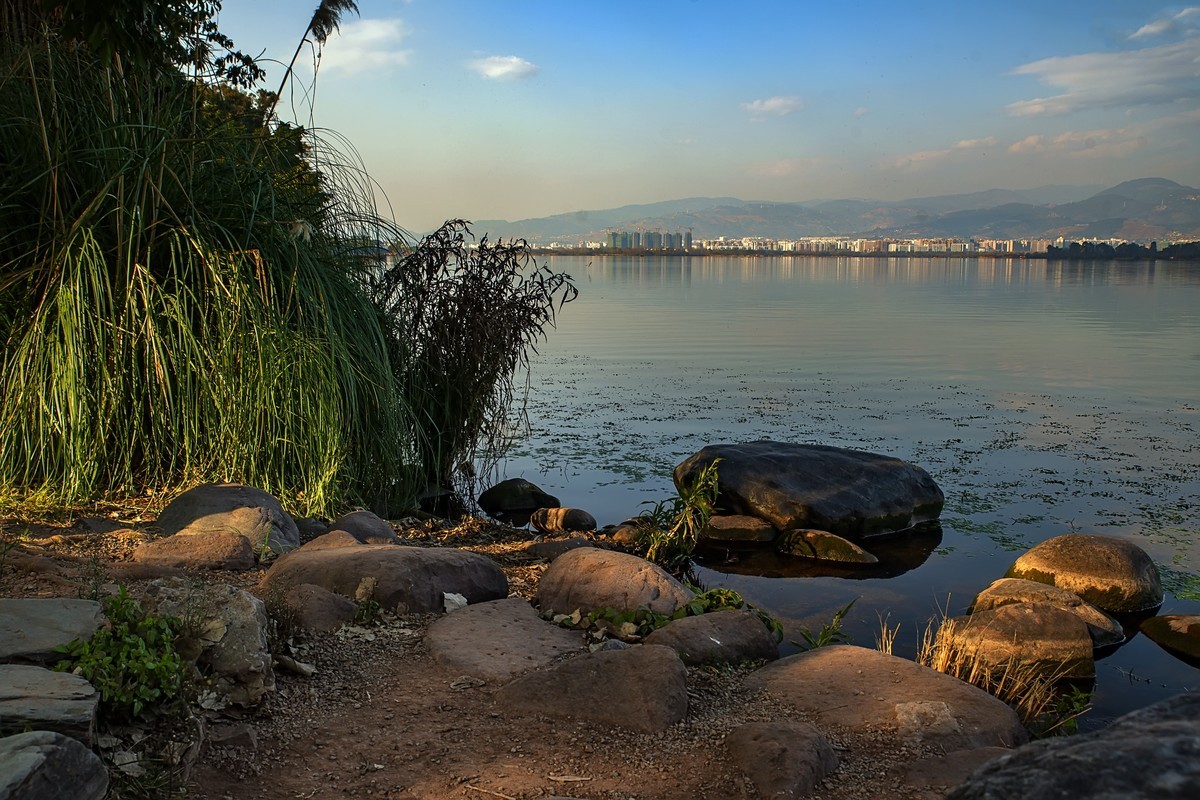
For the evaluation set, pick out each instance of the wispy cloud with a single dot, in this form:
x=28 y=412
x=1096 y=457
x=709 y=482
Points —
x=861 y=111
x=1104 y=143
x=1184 y=22
x=773 y=106
x=504 y=68
x=974 y=144
x=785 y=167
x=1164 y=73
x=366 y=44
x=925 y=158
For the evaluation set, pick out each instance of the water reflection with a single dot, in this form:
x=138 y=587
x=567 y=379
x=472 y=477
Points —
x=898 y=553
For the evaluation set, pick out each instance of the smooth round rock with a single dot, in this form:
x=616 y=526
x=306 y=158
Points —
x=589 y=579
x=1110 y=573
x=1052 y=641
x=1105 y=631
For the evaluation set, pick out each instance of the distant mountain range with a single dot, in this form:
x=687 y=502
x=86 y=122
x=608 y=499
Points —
x=1138 y=210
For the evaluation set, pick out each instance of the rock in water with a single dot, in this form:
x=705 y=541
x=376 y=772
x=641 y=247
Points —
x=515 y=495
x=822 y=546
x=1110 y=573
x=562 y=520
x=847 y=492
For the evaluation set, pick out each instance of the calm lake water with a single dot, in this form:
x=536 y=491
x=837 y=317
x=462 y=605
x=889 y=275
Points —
x=1044 y=398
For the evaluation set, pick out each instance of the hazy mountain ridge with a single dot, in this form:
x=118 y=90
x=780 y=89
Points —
x=1147 y=208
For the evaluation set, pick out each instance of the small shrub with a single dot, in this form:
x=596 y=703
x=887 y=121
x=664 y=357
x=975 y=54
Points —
x=633 y=625
x=828 y=634
x=132 y=661
x=671 y=530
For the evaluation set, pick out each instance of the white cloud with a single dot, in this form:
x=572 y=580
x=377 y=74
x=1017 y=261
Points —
x=1177 y=23
x=975 y=144
x=1103 y=143
x=503 y=68
x=1153 y=75
x=861 y=111
x=926 y=158
x=366 y=44
x=777 y=106
x=785 y=167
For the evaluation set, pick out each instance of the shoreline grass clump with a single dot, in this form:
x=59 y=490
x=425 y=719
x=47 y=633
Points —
x=1046 y=704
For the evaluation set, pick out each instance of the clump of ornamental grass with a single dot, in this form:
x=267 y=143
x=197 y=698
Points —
x=182 y=296
x=1046 y=704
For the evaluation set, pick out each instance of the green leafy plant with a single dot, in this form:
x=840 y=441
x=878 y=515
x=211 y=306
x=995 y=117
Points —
x=633 y=625
x=828 y=634
x=132 y=661
x=671 y=530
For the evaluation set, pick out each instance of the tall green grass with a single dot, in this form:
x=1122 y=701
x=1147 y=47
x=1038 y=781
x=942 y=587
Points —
x=183 y=299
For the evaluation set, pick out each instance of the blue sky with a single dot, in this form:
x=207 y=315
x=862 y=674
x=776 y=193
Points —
x=491 y=109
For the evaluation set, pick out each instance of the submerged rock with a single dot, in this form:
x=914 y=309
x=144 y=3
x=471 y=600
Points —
x=848 y=492
x=1176 y=633
x=822 y=546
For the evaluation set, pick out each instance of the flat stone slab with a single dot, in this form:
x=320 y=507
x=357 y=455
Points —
x=224 y=550
x=498 y=640
x=864 y=690
x=44 y=765
x=642 y=688
x=35 y=698
x=30 y=628
x=1105 y=630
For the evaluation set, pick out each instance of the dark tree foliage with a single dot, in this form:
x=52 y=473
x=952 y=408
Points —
x=1126 y=251
x=150 y=35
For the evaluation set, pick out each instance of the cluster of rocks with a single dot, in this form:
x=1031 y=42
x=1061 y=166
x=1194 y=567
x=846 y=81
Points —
x=812 y=501
x=1054 y=608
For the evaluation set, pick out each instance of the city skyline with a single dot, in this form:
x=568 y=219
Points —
x=464 y=108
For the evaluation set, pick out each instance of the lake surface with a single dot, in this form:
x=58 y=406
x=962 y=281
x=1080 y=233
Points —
x=1044 y=398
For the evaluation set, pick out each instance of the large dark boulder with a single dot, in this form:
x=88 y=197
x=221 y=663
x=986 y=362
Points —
x=848 y=492
x=44 y=765
x=1151 y=754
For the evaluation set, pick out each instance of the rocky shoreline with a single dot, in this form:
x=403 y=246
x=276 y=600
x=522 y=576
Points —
x=415 y=658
